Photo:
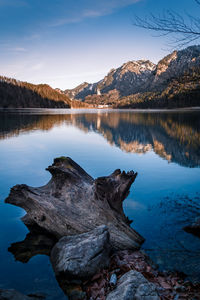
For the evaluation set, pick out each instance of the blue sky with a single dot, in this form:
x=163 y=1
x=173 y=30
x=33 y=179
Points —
x=66 y=42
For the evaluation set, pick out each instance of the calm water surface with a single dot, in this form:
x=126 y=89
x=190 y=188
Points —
x=163 y=147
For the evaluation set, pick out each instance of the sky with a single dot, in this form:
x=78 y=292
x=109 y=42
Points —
x=66 y=42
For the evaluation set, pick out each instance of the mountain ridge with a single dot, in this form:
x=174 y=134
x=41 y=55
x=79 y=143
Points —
x=20 y=94
x=138 y=78
x=171 y=83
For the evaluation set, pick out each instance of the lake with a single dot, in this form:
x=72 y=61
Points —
x=163 y=147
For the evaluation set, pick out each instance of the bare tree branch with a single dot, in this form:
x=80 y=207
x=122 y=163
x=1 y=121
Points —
x=182 y=30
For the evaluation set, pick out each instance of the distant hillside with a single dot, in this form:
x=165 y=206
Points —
x=18 y=94
x=184 y=91
x=173 y=82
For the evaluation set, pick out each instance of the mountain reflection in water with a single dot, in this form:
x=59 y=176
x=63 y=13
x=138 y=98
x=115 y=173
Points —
x=174 y=136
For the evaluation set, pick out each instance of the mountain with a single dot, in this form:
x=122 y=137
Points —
x=142 y=84
x=19 y=94
x=173 y=82
x=81 y=91
x=132 y=77
x=175 y=65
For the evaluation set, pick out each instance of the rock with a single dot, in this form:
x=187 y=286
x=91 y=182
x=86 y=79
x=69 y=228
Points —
x=113 y=280
x=133 y=286
x=194 y=228
x=15 y=295
x=73 y=203
x=81 y=255
x=73 y=291
x=180 y=288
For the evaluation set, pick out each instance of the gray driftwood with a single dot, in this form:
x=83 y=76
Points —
x=72 y=202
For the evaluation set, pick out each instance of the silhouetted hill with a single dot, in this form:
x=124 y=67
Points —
x=18 y=94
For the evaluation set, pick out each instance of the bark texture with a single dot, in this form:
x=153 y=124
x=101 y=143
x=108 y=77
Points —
x=72 y=202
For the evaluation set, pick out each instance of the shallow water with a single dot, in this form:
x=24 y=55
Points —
x=163 y=147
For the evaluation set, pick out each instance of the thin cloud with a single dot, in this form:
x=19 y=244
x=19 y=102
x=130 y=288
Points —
x=37 y=67
x=89 y=13
x=18 y=49
x=32 y=37
x=102 y=9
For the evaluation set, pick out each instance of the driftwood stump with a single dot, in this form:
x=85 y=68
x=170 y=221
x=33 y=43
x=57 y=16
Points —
x=73 y=202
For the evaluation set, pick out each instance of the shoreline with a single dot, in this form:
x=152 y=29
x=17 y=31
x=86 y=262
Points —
x=95 y=109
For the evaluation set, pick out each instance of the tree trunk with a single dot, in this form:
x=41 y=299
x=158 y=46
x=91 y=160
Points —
x=73 y=202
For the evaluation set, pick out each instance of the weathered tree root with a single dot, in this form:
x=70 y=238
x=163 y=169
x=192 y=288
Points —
x=73 y=202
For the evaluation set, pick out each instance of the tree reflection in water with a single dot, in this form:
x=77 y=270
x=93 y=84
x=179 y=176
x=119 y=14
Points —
x=171 y=135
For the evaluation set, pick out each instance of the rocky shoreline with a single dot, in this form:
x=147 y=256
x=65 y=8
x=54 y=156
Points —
x=90 y=260
x=128 y=275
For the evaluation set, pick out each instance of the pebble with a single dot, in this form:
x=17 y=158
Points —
x=113 y=279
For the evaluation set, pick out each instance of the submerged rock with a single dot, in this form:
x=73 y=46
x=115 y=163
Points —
x=194 y=228
x=133 y=286
x=73 y=289
x=15 y=295
x=82 y=255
